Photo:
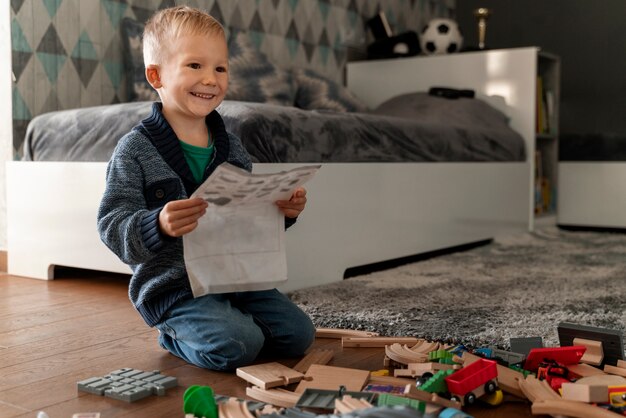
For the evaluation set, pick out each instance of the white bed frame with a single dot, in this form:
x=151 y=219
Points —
x=358 y=213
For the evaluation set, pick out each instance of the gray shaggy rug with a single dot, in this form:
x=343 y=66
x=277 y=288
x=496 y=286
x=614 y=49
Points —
x=518 y=286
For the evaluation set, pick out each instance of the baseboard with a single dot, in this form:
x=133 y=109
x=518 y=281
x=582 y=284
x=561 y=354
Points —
x=397 y=262
x=3 y=261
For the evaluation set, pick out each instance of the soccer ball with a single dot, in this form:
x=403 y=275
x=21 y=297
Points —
x=441 y=36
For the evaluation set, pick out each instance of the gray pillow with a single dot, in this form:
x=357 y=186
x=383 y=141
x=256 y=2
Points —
x=316 y=92
x=253 y=78
x=437 y=110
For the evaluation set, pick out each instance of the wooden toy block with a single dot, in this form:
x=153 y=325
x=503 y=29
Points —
x=269 y=375
x=619 y=371
x=594 y=354
x=331 y=378
x=316 y=356
x=404 y=355
x=425 y=347
x=583 y=370
x=348 y=404
x=412 y=392
x=233 y=408
x=376 y=341
x=585 y=393
x=389 y=380
x=340 y=333
x=537 y=390
x=278 y=397
x=603 y=379
x=570 y=409
x=416 y=370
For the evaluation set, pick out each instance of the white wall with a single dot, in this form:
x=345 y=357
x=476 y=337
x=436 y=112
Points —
x=6 y=112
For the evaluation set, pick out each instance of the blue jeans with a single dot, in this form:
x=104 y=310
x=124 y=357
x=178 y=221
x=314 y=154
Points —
x=229 y=330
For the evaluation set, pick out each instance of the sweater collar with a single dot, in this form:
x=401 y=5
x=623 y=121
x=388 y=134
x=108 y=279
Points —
x=167 y=144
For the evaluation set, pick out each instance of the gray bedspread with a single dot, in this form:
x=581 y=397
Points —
x=286 y=134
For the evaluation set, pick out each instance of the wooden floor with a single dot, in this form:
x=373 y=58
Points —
x=56 y=333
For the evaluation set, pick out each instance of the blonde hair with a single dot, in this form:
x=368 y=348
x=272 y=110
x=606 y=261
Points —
x=170 y=23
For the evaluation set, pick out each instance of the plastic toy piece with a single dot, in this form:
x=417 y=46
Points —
x=316 y=356
x=441 y=356
x=453 y=413
x=617 y=395
x=329 y=377
x=86 y=415
x=436 y=383
x=473 y=381
x=404 y=355
x=340 y=333
x=384 y=399
x=507 y=378
x=523 y=345
x=128 y=385
x=326 y=399
x=508 y=357
x=585 y=393
x=376 y=341
x=570 y=409
x=397 y=390
x=562 y=355
x=594 y=354
x=200 y=401
x=493 y=399
x=269 y=375
x=278 y=397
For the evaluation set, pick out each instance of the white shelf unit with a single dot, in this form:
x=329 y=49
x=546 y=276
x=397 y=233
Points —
x=547 y=139
x=509 y=73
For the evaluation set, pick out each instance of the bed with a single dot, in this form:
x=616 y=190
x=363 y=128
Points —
x=380 y=195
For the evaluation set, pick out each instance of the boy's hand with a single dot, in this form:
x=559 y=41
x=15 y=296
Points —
x=180 y=217
x=291 y=208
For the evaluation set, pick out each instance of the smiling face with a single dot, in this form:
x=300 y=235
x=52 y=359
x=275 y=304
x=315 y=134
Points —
x=193 y=77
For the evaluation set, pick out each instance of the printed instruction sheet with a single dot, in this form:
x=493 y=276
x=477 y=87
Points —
x=239 y=244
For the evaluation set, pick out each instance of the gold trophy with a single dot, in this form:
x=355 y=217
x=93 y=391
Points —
x=481 y=14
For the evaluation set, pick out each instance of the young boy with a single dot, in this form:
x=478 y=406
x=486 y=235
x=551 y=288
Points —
x=145 y=209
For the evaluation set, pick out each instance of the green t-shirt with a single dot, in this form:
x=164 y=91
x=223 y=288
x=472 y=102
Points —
x=197 y=158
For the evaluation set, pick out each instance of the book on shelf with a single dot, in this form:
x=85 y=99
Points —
x=545 y=109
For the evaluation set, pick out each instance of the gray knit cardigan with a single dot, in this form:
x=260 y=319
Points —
x=147 y=170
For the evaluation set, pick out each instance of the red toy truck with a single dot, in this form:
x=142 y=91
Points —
x=473 y=381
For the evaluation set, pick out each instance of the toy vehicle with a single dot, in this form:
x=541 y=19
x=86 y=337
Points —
x=554 y=373
x=473 y=381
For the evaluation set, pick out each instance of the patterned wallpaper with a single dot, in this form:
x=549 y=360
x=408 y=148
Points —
x=68 y=53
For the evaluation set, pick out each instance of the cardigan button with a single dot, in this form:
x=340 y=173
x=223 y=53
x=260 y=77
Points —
x=159 y=193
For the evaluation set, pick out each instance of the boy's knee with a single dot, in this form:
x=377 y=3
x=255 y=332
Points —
x=299 y=339
x=234 y=352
